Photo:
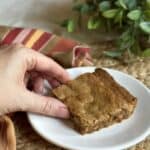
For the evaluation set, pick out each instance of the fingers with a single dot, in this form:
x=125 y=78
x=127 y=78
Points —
x=52 y=69
x=53 y=82
x=44 y=105
x=29 y=60
x=45 y=65
x=38 y=85
x=26 y=78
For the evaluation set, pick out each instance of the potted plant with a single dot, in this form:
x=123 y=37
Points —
x=129 y=19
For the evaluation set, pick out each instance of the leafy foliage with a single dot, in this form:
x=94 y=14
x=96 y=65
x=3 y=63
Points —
x=130 y=18
x=146 y=53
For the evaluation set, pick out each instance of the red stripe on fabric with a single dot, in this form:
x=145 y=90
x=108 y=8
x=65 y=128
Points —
x=63 y=45
x=41 y=41
x=11 y=35
x=28 y=36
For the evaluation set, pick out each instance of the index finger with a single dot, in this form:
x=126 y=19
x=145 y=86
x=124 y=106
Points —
x=47 y=66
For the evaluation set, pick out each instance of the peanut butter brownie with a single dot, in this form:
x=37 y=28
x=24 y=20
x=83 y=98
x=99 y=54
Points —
x=95 y=101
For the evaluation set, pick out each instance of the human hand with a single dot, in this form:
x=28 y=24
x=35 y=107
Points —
x=17 y=65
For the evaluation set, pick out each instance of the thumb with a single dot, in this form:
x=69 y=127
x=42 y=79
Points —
x=44 y=105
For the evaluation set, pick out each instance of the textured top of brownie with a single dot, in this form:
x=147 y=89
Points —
x=95 y=97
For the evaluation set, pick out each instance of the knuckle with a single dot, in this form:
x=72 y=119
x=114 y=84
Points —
x=17 y=52
x=26 y=55
x=59 y=74
x=21 y=50
x=15 y=47
x=48 y=108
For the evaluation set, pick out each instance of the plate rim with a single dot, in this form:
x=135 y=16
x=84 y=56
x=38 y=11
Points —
x=119 y=147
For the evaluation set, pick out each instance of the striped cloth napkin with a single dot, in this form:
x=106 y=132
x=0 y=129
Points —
x=65 y=51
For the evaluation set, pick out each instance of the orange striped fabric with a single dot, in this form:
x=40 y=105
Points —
x=49 y=44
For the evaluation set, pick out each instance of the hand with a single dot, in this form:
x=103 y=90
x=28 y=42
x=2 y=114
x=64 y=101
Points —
x=17 y=65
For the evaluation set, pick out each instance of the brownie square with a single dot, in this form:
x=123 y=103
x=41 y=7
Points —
x=95 y=100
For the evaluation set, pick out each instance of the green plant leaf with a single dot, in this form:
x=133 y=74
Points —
x=117 y=3
x=71 y=25
x=135 y=48
x=104 y=5
x=122 y=4
x=147 y=14
x=146 y=53
x=110 y=13
x=126 y=40
x=131 y=4
x=134 y=14
x=83 y=8
x=86 y=8
x=113 y=54
x=145 y=26
x=119 y=16
x=93 y=23
x=148 y=4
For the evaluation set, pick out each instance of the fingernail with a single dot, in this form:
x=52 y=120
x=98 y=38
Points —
x=63 y=113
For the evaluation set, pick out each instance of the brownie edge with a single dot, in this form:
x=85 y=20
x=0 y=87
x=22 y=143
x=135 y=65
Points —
x=95 y=101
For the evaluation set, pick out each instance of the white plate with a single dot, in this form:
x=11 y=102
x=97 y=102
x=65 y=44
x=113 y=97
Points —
x=116 y=137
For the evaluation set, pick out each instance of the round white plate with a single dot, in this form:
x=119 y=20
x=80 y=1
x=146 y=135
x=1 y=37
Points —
x=116 y=137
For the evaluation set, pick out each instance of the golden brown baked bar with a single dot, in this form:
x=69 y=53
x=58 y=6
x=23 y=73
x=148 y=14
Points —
x=95 y=101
